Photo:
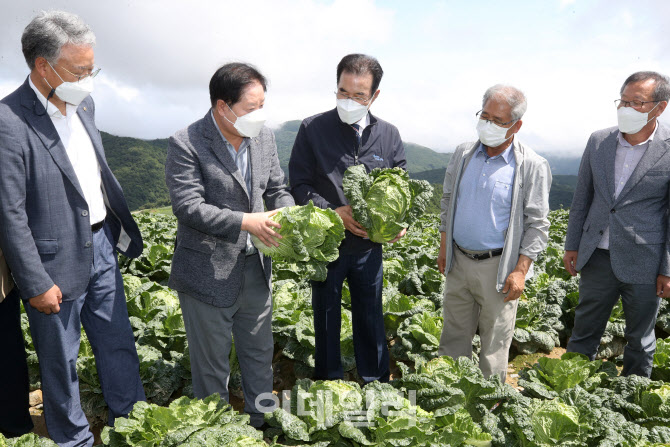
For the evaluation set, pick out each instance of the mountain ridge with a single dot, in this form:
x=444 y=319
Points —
x=139 y=165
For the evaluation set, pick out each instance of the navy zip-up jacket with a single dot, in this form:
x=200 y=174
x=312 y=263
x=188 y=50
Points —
x=325 y=147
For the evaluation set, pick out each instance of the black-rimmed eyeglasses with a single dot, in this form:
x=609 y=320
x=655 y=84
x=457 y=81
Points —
x=635 y=104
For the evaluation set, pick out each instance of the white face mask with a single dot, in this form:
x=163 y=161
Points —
x=73 y=92
x=631 y=121
x=350 y=111
x=490 y=134
x=248 y=125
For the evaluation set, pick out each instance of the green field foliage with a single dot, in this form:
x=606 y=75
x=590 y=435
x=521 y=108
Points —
x=431 y=401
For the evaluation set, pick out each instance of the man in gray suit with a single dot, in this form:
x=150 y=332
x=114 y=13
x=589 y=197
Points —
x=220 y=171
x=62 y=216
x=618 y=229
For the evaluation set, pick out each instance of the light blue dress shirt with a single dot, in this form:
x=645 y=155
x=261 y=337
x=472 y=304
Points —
x=484 y=200
x=241 y=159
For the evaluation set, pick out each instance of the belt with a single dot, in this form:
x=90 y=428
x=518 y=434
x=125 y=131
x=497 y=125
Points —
x=98 y=226
x=481 y=256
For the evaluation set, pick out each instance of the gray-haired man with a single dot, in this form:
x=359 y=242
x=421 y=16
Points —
x=493 y=225
x=62 y=219
x=618 y=229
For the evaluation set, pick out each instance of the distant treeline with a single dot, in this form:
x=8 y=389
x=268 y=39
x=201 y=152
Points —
x=139 y=165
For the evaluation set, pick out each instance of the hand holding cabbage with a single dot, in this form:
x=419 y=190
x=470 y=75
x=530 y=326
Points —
x=385 y=201
x=262 y=227
x=310 y=239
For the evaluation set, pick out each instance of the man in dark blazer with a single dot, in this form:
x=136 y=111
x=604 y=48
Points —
x=62 y=219
x=618 y=233
x=221 y=171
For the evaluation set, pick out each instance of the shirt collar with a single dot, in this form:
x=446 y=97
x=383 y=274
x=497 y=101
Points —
x=363 y=122
x=245 y=140
x=624 y=143
x=506 y=155
x=51 y=109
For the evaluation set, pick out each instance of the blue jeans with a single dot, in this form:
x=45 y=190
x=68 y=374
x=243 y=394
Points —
x=363 y=272
x=599 y=291
x=103 y=313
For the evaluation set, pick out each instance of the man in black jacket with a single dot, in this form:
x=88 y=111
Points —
x=326 y=145
x=14 y=409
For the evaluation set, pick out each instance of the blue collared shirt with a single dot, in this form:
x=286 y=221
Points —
x=240 y=156
x=484 y=200
x=241 y=159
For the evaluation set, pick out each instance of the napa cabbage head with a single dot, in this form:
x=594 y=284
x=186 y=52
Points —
x=656 y=401
x=555 y=422
x=385 y=201
x=310 y=239
x=328 y=402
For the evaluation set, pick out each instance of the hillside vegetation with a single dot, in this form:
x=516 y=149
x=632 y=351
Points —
x=139 y=165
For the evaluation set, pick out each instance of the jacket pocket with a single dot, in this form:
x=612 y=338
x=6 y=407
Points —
x=649 y=237
x=665 y=173
x=197 y=241
x=47 y=246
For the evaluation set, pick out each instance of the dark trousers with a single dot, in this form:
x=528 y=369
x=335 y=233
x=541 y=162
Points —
x=599 y=291
x=14 y=417
x=103 y=313
x=363 y=272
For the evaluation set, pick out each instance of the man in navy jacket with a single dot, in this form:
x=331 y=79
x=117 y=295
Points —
x=326 y=145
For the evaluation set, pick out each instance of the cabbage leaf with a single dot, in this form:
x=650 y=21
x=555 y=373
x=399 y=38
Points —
x=310 y=239
x=386 y=200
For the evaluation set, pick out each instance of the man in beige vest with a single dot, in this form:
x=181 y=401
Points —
x=14 y=417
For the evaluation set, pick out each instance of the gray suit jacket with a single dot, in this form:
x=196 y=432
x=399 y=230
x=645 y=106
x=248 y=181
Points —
x=209 y=198
x=45 y=230
x=637 y=218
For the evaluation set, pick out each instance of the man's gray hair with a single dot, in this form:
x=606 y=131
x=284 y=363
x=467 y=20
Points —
x=514 y=97
x=47 y=33
x=661 y=89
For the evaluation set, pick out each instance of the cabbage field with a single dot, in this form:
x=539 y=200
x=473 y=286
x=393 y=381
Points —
x=430 y=401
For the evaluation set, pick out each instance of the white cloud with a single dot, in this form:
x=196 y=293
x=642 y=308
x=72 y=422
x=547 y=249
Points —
x=125 y=92
x=569 y=57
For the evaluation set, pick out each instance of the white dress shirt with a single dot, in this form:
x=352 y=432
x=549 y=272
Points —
x=625 y=161
x=81 y=153
x=363 y=122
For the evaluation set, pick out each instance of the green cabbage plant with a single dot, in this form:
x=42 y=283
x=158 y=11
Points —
x=385 y=201
x=310 y=239
x=549 y=376
x=661 y=369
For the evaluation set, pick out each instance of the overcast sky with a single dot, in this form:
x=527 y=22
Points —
x=570 y=57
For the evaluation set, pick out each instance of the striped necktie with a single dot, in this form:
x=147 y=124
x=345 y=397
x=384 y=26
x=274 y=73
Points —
x=357 y=128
